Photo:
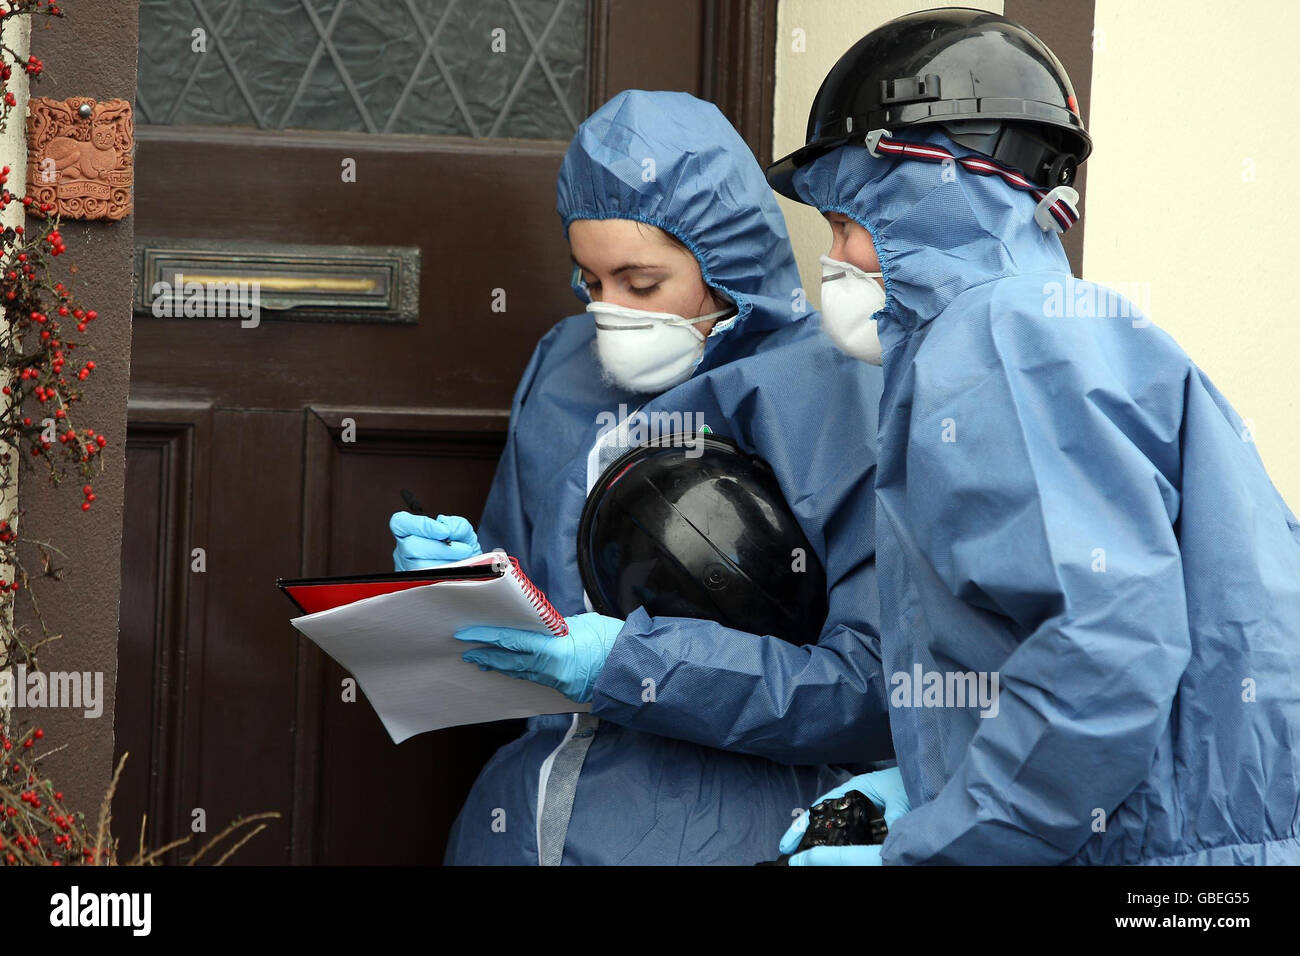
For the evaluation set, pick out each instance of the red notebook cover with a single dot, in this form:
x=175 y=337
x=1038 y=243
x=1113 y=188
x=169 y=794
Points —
x=310 y=595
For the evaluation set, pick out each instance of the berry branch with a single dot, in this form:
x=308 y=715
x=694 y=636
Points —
x=41 y=371
x=37 y=828
x=40 y=367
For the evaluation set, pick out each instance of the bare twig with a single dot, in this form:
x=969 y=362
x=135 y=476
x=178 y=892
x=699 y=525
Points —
x=106 y=814
x=229 y=853
x=239 y=822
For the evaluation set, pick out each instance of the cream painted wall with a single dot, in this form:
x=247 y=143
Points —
x=824 y=29
x=1191 y=190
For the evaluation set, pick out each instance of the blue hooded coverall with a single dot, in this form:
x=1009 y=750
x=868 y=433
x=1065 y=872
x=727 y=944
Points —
x=743 y=728
x=1065 y=499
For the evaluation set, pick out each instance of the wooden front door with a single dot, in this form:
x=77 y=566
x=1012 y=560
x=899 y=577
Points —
x=277 y=449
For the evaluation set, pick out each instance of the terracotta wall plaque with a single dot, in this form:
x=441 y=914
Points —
x=80 y=156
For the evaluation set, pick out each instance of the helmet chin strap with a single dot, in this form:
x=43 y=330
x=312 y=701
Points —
x=1057 y=209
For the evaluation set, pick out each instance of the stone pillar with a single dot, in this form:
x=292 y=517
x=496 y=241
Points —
x=91 y=51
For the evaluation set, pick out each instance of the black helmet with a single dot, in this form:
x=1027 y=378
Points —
x=691 y=526
x=994 y=87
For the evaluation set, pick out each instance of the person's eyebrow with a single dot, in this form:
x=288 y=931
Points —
x=626 y=267
x=635 y=267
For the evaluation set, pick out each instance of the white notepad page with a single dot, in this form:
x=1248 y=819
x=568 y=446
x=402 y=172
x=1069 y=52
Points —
x=400 y=649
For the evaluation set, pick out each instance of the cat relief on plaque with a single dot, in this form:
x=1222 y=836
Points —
x=80 y=156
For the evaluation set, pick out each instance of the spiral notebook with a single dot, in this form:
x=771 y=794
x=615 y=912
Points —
x=393 y=633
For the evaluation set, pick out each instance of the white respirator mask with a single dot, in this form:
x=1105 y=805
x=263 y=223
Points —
x=850 y=300
x=648 y=351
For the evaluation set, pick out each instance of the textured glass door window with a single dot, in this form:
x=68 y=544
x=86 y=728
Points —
x=381 y=66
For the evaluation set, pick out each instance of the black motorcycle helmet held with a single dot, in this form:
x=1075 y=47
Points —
x=994 y=87
x=688 y=525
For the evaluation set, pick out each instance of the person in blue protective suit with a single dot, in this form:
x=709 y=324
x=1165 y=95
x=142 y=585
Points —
x=1069 y=512
x=657 y=192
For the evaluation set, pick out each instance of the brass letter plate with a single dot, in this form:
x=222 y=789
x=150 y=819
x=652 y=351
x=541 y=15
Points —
x=194 y=278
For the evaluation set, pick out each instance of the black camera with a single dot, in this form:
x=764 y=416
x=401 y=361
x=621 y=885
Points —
x=850 y=820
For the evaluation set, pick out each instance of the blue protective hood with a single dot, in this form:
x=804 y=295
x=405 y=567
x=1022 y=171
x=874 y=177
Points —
x=1067 y=509
x=740 y=728
x=673 y=161
x=938 y=229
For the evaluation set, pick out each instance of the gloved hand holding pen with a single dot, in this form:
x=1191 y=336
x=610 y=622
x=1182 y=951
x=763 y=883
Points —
x=425 y=542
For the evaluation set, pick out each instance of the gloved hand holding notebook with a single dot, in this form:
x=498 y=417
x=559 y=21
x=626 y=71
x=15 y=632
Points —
x=393 y=632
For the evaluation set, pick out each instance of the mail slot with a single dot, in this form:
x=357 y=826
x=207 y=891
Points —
x=199 y=278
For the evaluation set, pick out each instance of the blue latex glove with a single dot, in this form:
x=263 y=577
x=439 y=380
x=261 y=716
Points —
x=570 y=664
x=424 y=542
x=884 y=788
x=838 y=856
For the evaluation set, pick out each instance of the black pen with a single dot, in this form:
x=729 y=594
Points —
x=414 y=507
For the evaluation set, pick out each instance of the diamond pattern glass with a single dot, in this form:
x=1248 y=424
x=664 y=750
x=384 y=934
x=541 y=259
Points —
x=479 y=68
